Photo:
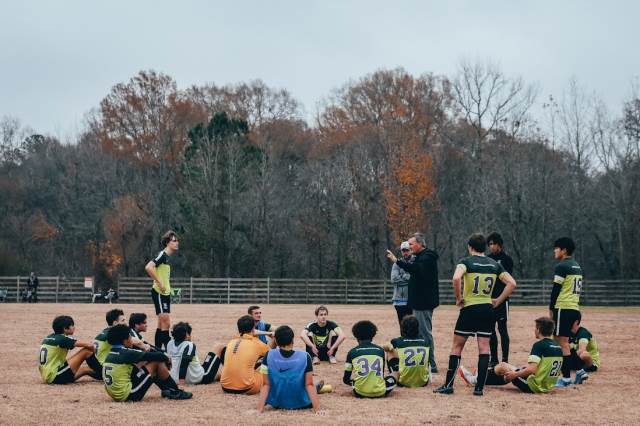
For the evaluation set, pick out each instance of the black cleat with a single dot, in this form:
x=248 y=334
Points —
x=447 y=390
x=176 y=394
x=478 y=392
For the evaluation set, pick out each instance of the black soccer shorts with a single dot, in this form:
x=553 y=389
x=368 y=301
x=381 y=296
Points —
x=141 y=381
x=564 y=319
x=475 y=320
x=161 y=302
x=64 y=375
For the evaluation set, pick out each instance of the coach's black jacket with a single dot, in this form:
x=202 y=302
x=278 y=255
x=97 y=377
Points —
x=423 y=285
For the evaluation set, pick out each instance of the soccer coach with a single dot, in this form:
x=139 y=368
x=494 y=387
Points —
x=424 y=294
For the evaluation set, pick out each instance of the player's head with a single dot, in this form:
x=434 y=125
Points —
x=138 y=321
x=63 y=324
x=170 y=240
x=119 y=334
x=364 y=330
x=245 y=324
x=284 y=336
x=563 y=247
x=477 y=243
x=576 y=324
x=255 y=312
x=495 y=242
x=115 y=316
x=544 y=327
x=409 y=327
x=322 y=313
x=181 y=332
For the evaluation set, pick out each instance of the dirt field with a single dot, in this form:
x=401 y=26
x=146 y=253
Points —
x=611 y=395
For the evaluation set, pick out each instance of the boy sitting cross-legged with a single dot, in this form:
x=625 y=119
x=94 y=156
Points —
x=288 y=376
x=185 y=365
x=409 y=355
x=364 y=369
x=55 y=367
x=129 y=373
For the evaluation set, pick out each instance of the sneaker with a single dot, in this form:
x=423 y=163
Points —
x=319 y=386
x=467 y=376
x=563 y=383
x=447 y=390
x=316 y=360
x=581 y=376
x=434 y=369
x=176 y=394
x=478 y=392
x=333 y=360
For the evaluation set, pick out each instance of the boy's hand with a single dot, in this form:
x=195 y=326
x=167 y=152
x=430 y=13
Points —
x=510 y=376
x=314 y=349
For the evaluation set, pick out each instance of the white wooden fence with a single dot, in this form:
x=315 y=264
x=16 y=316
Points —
x=314 y=291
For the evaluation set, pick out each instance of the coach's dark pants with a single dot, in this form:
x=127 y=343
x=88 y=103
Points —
x=425 y=326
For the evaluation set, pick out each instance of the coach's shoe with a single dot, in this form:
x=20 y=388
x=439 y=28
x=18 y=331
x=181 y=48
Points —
x=316 y=360
x=447 y=390
x=563 y=383
x=333 y=360
x=467 y=376
x=176 y=394
x=581 y=376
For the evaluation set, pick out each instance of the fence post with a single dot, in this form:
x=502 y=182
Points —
x=190 y=290
x=18 y=289
x=228 y=290
x=346 y=291
x=306 y=284
x=384 y=291
x=57 y=287
x=268 y=289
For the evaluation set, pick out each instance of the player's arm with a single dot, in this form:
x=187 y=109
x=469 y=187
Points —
x=457 y=283
x=510 y=285
x=530 y=369
x=186 y=358
x=311 y=391
x=559 y=275
x=582 y=346
x=154 y=357
x=140 y=344
x=153 y=274
x=339 y=340
x=304 y=335
x=348 y=368
x=84 y=345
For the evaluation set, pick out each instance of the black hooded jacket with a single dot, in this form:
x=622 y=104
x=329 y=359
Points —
x=424 y=293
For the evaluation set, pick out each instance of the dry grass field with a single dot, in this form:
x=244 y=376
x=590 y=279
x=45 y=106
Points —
x=610 y=396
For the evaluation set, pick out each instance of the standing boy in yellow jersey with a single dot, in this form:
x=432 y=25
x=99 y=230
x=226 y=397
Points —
x=564 y=302
x=473 y=283
x=160 y=271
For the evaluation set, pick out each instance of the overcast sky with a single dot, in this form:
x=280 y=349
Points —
x=58 y=59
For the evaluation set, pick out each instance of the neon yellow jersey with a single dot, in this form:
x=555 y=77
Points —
x=584 y=336
x=102 y=346
x=116 y=371
x=53 y=354
x=568 y=274
x=413 y=357
x=365 y=362
x=547 y=353
x=164 y=272
x=480 y=275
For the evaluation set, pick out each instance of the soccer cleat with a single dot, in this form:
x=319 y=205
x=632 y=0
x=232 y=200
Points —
x=563 y=383
x=319 y=386
x=176 y=394
x=434 y=370
x=333 y=360
x=446 y=390
x=467 y=376
x=581 y=376
x=478 y=392
x=325 y=389
x=316 y=360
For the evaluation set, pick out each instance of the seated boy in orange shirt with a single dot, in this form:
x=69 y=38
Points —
x=240 y=360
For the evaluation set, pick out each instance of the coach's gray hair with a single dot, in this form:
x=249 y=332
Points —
x=420 y=239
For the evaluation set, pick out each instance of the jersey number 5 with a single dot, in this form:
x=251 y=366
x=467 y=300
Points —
x=106 y=373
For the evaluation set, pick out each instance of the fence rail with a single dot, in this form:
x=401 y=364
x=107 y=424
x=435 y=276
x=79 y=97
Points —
x=272 y=290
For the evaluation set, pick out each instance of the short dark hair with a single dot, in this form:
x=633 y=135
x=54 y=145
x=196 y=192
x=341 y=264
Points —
x=118 y=334
x=364 y=330
x=284 y=335
x=545 y=326
x=321 y=308
x=495 y=238
x=409 y=327
x=61 y=322
x=252 y=308
x=168 y=236
x=245 y=324
x=565 y=243
x=113 y=315
x=137 y=318
x=478 y=243
x=180 y=331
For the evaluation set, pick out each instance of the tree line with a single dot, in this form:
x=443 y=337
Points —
x=253 y=189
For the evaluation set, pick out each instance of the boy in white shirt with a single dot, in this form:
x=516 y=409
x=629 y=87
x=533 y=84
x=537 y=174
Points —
x=185 y=364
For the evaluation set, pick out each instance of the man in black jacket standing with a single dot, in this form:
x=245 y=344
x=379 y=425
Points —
x=424 y=294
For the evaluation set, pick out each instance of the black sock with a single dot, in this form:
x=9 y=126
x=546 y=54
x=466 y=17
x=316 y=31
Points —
x=394 y=364
x=454 y=363
x=483 y=365
x=167 y=383
x=566 y=366
x=493 y=346
x=162 y=338
x=93 y=362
